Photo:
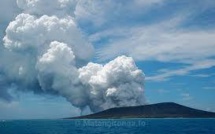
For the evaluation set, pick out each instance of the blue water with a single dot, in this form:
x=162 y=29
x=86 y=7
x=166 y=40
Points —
x=123 y=126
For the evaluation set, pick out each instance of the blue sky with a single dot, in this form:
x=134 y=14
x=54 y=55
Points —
x=172 y=41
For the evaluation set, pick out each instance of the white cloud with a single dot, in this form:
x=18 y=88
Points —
x=183 y=71
x=101 y=14
x=148 y=2
x=159 y=42
x=57 y=71
x=162 y=42
x=60 y=8
x=59 y=56
x=47 y=54
x=26 y=44
x=209 y=88
x=29 y=32
x=117 y=83
x=203 y=75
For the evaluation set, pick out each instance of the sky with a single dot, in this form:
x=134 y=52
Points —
x=171 y=44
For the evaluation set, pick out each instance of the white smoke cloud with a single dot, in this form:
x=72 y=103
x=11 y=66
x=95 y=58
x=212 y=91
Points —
x=117 y=83
x=46 y=52
x=28 y=32
x=57 y=71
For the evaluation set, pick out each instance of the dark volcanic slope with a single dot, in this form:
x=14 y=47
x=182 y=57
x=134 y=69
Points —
x=160 y=110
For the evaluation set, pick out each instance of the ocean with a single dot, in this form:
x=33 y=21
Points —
x=112 y=126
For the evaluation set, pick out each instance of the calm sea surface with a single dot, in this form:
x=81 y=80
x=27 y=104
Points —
x=123 y=126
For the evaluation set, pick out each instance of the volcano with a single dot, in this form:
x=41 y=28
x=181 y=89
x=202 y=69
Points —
x=159 y=110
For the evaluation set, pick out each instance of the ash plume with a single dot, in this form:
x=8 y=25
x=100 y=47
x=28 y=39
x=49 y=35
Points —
x=44 y=51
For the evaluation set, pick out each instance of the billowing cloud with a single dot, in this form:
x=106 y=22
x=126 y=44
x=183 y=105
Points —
x=44 y=51
x=57 y=71
x=28 y=32
x=117 y=83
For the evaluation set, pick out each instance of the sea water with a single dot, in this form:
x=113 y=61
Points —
x=112 y=126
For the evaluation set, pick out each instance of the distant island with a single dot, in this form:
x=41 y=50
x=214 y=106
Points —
x=159 y=110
